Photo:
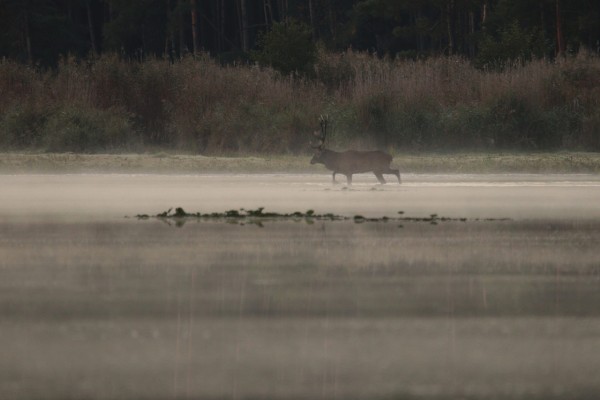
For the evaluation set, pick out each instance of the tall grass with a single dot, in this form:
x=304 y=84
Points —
x=199 y=106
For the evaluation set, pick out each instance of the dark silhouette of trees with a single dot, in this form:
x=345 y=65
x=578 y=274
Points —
x=488 y=31
x=288 y=48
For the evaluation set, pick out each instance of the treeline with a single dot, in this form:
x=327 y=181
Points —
x=40 y=32
x=197 y=105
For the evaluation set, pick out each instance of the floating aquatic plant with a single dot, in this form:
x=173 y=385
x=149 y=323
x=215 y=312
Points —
x=258 y=216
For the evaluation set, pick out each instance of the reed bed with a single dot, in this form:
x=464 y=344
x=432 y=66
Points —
x=199 y=106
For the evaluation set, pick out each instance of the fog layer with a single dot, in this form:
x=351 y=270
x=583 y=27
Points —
x=472 y=196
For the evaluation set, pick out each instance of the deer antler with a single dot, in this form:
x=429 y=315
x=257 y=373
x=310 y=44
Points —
x=323 y=119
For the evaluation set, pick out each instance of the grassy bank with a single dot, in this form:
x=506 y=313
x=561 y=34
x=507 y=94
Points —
x=108 y=105
x=567 y=162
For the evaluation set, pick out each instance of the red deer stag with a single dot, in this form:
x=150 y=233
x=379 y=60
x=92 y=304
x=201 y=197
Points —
x=351 y=161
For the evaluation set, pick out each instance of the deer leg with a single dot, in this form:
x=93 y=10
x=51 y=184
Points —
x=349 y=178
x=333 y=177
x=395 y=172
x=379 y=176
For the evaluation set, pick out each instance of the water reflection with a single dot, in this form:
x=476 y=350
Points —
x=334 y=309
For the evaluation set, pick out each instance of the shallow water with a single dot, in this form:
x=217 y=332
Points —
x=97 y=306
x=105 y=196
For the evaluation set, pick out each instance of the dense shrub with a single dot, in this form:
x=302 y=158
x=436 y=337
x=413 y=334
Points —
x=89 y=131
x=518 y=124
x=22 y=128
x=71 y=129
x=511 y=44
x=469 y=127
x=288 y=48
x=590 y=133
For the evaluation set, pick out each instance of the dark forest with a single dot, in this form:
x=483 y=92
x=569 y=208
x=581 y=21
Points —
x=41 y=31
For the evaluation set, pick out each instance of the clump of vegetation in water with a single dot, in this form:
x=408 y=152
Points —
x=257 y=216
x=242 y=215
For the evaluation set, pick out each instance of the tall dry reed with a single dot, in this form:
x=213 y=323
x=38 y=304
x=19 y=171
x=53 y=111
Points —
x=200 y=106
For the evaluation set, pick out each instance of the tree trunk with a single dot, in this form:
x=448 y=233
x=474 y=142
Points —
x=560 y=41
x=27 y=34
x=471 y=34
x=450 y=6
x=91 y=27
x=194 y=13
x=484 y=11
x=332 y=22
x=286 y=9
x=244 y=26
x=170 y=33
x=181 y=26
x=221 y=25
x=268 y=9
x=109 y=10
x=419 y=32
x=70 y=10
x=312 y=20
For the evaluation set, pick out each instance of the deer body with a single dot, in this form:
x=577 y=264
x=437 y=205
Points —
x=351 y=161
x=354 y=162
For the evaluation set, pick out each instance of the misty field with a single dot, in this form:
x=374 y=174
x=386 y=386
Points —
x=97 y=304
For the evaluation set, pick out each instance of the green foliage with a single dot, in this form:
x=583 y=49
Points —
x=590 y=135
x=417 y=126
x=376 y=114
x=392 y=122
x=70 y=129
x=518 y=124
x=136 y=27
x=22 y=127
x=511 y=44
x=88 y=131
x=465 y=126
x=287 y=48
x=253 y=127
